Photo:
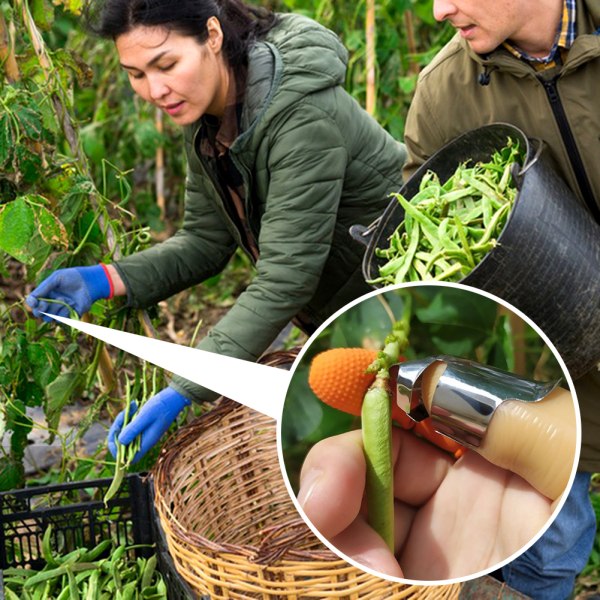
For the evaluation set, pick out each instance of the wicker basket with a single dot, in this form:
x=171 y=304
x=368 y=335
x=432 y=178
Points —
x=231 y=527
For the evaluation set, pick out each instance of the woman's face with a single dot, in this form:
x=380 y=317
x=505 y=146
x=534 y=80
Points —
x=184 y=78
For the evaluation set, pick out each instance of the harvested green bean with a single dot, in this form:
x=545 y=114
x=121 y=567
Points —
x=449 y=228
x=77 y=577
x=126 y=454
x=46 y=549
x=376 y=420
x=377 y=442
x=148 y=571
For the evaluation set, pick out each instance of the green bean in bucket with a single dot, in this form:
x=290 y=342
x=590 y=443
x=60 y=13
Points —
x=449 y=227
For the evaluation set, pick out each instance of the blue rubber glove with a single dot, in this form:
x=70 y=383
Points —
x=153 y=420
x=79 y=287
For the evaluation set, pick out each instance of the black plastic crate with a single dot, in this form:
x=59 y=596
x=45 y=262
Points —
x=79 y=518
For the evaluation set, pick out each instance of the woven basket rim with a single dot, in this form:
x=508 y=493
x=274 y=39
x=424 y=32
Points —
x=279 y=541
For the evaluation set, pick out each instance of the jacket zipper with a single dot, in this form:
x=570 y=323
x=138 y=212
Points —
x=217 y=187
x=567 y=135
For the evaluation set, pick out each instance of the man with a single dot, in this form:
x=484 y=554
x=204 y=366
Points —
x=534 y=64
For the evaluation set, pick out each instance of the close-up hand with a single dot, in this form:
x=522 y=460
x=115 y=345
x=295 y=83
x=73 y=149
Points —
x=151 y=422
x=452 y=518
x=77 y=287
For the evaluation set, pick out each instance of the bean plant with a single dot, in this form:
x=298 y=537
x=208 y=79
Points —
x=89 y=173
x=56 y=211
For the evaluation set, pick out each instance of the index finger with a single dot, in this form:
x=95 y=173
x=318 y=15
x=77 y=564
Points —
x=332 y=481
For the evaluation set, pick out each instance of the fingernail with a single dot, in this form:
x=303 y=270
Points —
x=308 y=484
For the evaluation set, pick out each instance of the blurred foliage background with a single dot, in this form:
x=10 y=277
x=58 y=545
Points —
x=444 y=320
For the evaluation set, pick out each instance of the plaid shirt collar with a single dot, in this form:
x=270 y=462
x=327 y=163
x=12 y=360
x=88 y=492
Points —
x=565 y=36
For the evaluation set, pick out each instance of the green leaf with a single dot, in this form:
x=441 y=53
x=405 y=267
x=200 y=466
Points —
x=29 y=120
x=29 y=164
x=20 y=424
x=455 y=307
x=6 y=377
x=51 y=230
x=424 y=10
x=501 y=353
x=44 y=362
x=66 y=61
x=31 y=393
x=72 y=203
x=59 y=393
x=302 y=410
x=43 y=14
x=17 y=227
x=92 y=139
x=58 y=184
x=89 y=221
x=407 y=84
x=367 y=324
x=7 y=140
x=451 y=321
x=39 y=251
x=454 y=344
x=147 y=138
x=51 y=125
x=12 y=474
x=73 y=6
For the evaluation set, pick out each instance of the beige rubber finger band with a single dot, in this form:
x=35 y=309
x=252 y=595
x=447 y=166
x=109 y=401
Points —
x=536 y=440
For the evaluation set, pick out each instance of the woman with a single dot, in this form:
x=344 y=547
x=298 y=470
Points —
x=281 y=162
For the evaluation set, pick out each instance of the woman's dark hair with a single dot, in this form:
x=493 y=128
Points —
x=240 y=23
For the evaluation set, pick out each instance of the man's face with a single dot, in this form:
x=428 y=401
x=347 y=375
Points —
x=484 y=24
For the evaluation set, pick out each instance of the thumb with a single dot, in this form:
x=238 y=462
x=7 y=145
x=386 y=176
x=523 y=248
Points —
x=535 y=440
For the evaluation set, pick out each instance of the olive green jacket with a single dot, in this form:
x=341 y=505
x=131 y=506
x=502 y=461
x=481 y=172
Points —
x=313 y=163
x=450 y=99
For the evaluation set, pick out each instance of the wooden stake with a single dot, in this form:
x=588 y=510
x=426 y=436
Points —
x=409 y=26
x=160 y=166
x=370 y=59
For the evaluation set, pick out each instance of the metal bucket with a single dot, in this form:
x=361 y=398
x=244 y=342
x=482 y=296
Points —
x=547 y=261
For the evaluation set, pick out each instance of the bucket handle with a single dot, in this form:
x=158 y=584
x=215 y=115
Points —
x=362 y=234
x=519 y=174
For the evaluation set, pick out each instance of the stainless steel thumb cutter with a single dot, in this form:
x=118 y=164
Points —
x=465 y=397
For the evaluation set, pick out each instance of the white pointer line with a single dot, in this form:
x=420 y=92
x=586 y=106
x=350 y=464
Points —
x=257 y=386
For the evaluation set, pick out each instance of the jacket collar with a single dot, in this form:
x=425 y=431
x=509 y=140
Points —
x=585 y=47
x=262 y=79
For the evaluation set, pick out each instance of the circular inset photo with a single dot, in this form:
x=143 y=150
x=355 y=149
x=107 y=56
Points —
x=430 y=433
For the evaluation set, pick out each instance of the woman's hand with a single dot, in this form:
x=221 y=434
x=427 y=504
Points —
x=452 y=518
x=76 y=287
x=151 y=421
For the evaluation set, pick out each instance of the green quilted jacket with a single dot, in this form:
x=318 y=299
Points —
x=313 y=163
